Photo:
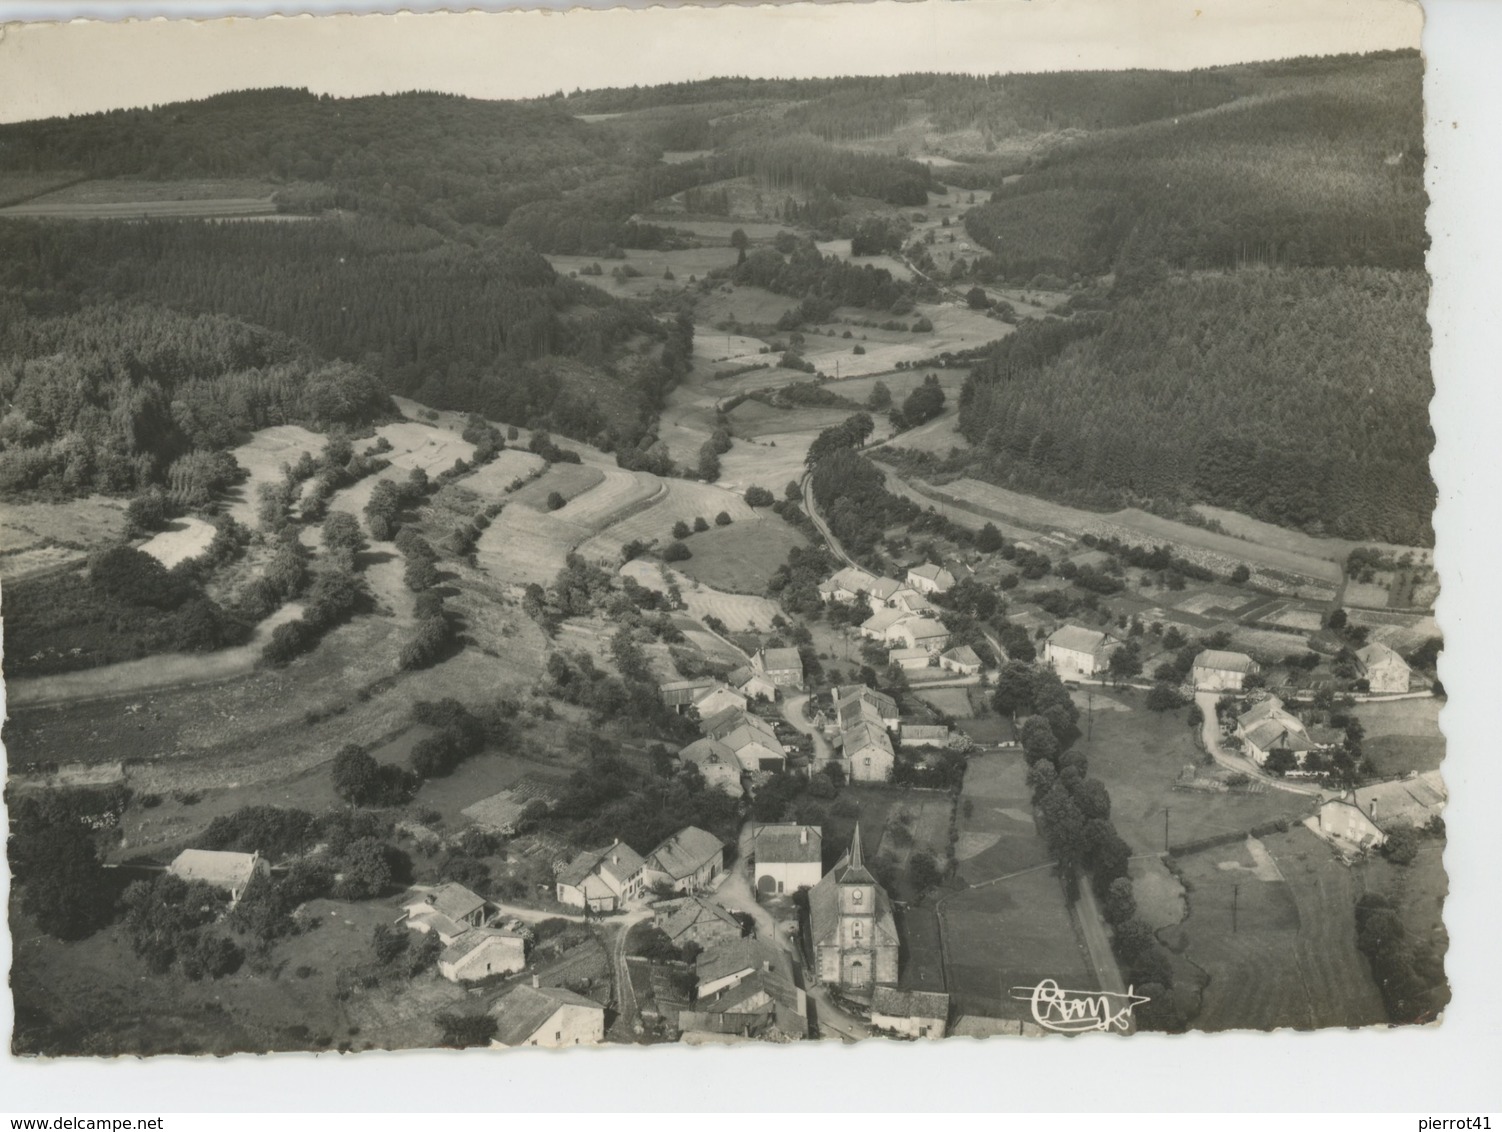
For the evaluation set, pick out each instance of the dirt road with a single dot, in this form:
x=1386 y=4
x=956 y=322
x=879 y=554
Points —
x=1210 y=732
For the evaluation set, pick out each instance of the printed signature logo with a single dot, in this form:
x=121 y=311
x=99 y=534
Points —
x=1077 y=1011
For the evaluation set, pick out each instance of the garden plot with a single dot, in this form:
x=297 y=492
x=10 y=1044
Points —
x=186 y=538
x=1400 y=631
x=262 y=457
x=679 y=500
x=40 y=536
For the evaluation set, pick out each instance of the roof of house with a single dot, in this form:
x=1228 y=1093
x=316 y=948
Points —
x=924 y=731
x=908 y=654
x=675 y=917
x=447 y=899
x=710 y=752
x=752 y=730
x=1376 y=654
x=884 y=589
x=781 y=660
x=909 y=1003
x=719 y=688
x=931 y=572
x=619 y=858
x=787 y=843
x=863 y=735
x=1273 y=733
x=788 y=1006
x=860 y=693
x=678 y=692
x=851 y=578
x=686 y=852
x=520 y=1013
x=1263 y=709
x=962 y=654
x=1412 y=800
x=216 y=867
x=725 y=720
x=924 y=628
x=1076 y=638
x=473 y=940
x=884 y=619
x=1225 y=661
x=742 y=954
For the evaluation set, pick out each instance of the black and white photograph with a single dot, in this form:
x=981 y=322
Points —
x=829 y=523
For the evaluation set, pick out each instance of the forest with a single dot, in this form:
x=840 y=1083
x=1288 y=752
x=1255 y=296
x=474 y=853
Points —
x=1298 y=396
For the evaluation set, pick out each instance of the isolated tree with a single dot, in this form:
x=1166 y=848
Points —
x=356 y=775
x=880 y=399
x=740 y=242
x=681 y=529
x=722 y=519
x=700 y=524
x=556 y=501
x=977 y=298
x=758 y=497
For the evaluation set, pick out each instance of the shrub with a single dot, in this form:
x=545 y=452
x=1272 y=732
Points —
x=722 y=519
x=676 y=552
x=758 y=496
x=700 y=524
x=681 y=529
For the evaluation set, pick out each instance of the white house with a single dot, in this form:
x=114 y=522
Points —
x=482 y=952
x=848 y=584
x=909 y=1013
x=910 y=659
x=232 y=872
x=919 y=633
x=1383 y=669
x=911 y=600
x=887 y=593
x=602 y=880
x=961 y=659
x=449 y=910
x=784 y=667
x=1074 y=651
x=786 y=857
x=930 y=579
x=756 y=745
x=1266 y=727
x=866 y=751
x=1218 y=671
x=717 y=763
x=717 y=698
x=751 y=684
x=551 y=1017
x=1362 y=819
x=688 y=861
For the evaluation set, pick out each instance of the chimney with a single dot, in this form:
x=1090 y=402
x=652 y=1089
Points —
x=803 y=835
x=766 y=965
x=1372 y=808
x=536 y=981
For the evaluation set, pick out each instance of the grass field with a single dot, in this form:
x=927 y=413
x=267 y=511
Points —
x=16 y=186
x=1138 y=754
x=1403 y=735
x=741 y=557
x=262 y=456
x=41 y=536
x=755 y=420
x=493 y=480
x=1291 y=959
x=997 y=833
x=523 y=545
x=680 y=499
x=185 y=538
x=568 y=480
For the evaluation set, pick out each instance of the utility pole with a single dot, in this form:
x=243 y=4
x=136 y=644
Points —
x=1235 y=895
x=1090 y=718
x=1165 y=829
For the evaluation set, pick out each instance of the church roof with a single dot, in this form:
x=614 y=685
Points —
x=824 y=907
x=855 y=872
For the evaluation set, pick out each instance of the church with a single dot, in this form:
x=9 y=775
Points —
x=854 y=932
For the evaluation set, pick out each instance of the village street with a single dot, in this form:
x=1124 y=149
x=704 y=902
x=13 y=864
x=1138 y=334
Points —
x=792 y=711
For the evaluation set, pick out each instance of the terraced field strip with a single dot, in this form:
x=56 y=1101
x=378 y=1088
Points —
x=493 y=480
x=568 y=480
x=523 y=545
x=681 y=499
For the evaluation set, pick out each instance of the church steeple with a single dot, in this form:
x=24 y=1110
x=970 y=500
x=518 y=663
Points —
x=855 y=872
x=855 y=847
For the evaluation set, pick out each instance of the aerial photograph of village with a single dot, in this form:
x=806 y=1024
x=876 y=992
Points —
x=753 y=559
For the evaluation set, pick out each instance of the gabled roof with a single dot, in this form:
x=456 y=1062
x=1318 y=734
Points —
x=1273 y=733
x=924 y=628
x=855 y=872
x=924 y=731
x=1263 y=709
x=787 y=843
x=932 y=573
x=863 y=735
x=619 y=860
x=1411 y=800
x=448 y=899
x=962 y=654
x=884 y=619
x=778 y=660
x=1376 y=654
x=675 y=917
x=860 y=693
x=707 y=751
x=884 y=589
x=743 y=954
x=473 y=940
x=722 y=722
x=686 y=852
x=824 y=906
x=740 y=677
x=520 y=1013
x=1225 y=661
x=718 y=688
x=851 y=578
x=1076 y=638
x=675 y=693
x=909 y=1003
x=751 y=729
x=213 y=866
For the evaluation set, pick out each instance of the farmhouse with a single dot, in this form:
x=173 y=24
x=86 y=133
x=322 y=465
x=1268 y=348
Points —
x=930 y=579
x=719 y=697
x=850 y=584
x=232 y=872
x=784 y=667
x=1217 y=671
x=911 y=600
x=680 y=694
x=924 y=735
x=694 y=919
x=909 y=1013
x=602 y=880
x=886 y=593
x=751 y=684
x=854 y=931
x=1362 y=819
x=717 y=763
x=786 y=857
x=855 y=702
x=910 y=659
x=756 y=745
x=1266 y=727
x=721 y=723
x=919 y=633
x=880 y=624
x=1073 y=650
x=867 y=753
x=689 y=861
x=1385 y=672
x=728 y=963
x=551 y=1017
x=961 y=659
x=450 y=910
x=482 y=952
x=747 y=989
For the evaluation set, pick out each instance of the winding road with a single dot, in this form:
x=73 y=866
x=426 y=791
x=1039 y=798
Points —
x=1210 y=732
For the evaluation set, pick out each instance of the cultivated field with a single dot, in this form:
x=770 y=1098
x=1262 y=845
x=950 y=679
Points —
x=16 y=186
x=1139 y=754
x=187 y=537
x=523 y=545
x=1403 y=735
x=739 y=612
x=1265 y=534
x=1290 y=958
x=678 y=499
x=493 y=480
x=741 y=557
x=568 y=480
x=41 y=536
